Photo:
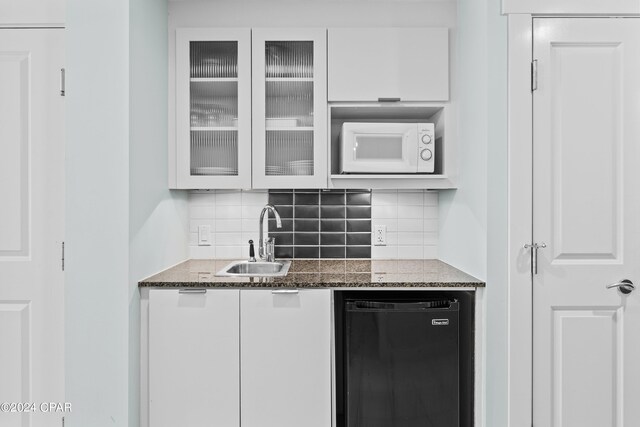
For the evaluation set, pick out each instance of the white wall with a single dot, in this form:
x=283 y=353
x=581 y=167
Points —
x=158 y=218
x=122 y=222
x=473 y=234
x=497 y=219
x=463 y=212
x=97 y=237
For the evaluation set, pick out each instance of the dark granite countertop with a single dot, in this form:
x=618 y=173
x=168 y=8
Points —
x=324 y=273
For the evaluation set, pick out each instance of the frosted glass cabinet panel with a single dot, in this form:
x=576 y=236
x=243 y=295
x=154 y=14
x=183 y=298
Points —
x=289 y=108
x=213 y=108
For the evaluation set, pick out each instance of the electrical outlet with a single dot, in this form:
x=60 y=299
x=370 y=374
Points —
x=204 y=235
x=380 y=235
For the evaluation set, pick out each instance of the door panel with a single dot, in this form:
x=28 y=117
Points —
x=194 y=358
x=31 y=222
x=585 y=159
x=286 y=358
x=583 y=339
x=14 y=110
x=586 y=200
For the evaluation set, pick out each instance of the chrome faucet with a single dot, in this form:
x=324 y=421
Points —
x=267 y=254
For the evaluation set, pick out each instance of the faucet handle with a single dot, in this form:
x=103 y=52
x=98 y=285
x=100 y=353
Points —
x=252 y=253
x=270 y=249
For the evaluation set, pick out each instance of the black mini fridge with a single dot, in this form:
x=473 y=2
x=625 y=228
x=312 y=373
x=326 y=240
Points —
x=401 y=363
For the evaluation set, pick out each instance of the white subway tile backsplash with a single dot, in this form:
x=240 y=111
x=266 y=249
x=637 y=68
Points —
x=431 y=198
x=228 y=211
x=431 y=225
x=229 y=252
x=250 y=225
x=194 y=223
x=246 y=236
x=430 y=252
x=193 y=239
x=228 y=225
x=384 y=252
x=411 y=225
x=384 y=198
x=257 y=197
x=430 y=212
x=202 y=199
x=391 y=223
x=410 y=198
x=410 y=238
x=229 y=197
x=411 y=218
x=390 y=211
x=410 y=252
x=252 y=212
x=392 y=238
x=227 y=239
x=406 y=211
x=202 y=252
x=202 y=212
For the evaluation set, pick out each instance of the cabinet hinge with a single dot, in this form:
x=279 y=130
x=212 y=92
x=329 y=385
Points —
x=534 y=75
x=62 y=82
x=62 y=259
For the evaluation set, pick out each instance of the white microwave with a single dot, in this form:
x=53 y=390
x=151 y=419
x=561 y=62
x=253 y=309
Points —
x=387 y=148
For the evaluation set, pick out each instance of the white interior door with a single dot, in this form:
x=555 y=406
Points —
x=31 y=223
x=586 y=369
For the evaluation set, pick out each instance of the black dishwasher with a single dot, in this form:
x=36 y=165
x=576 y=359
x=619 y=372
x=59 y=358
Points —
x=400 y=361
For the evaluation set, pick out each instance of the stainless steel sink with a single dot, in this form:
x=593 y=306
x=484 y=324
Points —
x=256 y=269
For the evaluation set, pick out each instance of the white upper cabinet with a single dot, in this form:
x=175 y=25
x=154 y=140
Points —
x=289 y=108
x=213 y=108
x=377 y=64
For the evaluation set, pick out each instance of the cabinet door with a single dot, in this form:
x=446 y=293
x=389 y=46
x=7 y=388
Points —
x=371 y=64
x=194 y=371
x=286 y=363
x=213 y=108
x=289 y=108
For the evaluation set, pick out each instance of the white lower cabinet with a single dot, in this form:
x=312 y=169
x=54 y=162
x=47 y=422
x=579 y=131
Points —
x=194 y=358
x=286 y=357
x=230 y=358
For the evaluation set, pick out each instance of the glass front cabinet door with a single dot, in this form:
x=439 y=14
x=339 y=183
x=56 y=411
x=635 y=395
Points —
x=289 y=108
x=213 y=108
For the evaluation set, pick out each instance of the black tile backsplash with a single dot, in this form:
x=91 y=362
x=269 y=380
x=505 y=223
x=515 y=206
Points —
x=322 y=223
x=333 y=225
x=362 y=226
x=306 y=212
x=332 y=239
x=333 y=212
x=359 y=199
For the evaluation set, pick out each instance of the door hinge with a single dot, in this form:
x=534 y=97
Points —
x=63 y=422
x=62 y=82
x=62 y=259
x=534 y=75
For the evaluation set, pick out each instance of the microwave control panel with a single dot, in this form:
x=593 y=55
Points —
x=426 y=147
